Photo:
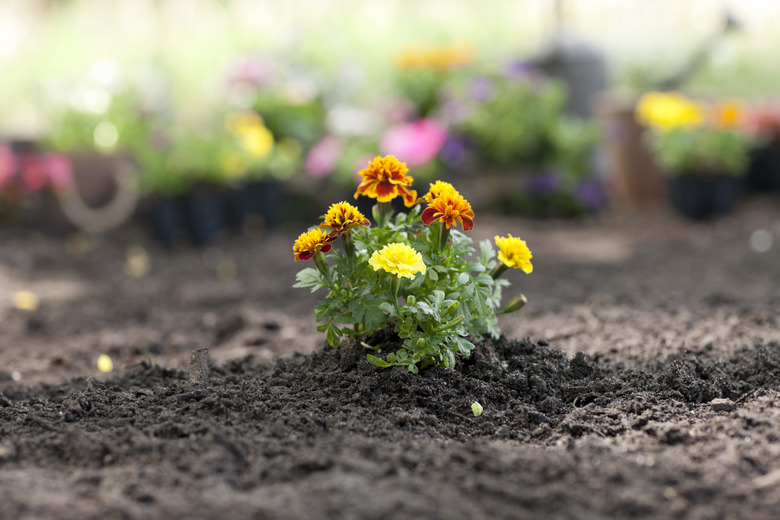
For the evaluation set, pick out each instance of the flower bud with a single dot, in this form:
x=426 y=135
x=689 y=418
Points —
x=515 y=304
x=452 y=308
x=411 y=300
x=420 y=343
x=454 y=322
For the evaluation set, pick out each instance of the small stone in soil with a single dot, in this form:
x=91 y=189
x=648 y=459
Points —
x=199 y=366
x=722 y=405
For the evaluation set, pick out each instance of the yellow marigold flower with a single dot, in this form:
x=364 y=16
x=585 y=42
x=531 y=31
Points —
x=664 y=111
x=437 y=189
x=513 y=252
x=342 y=217
x=385 y=179
x=310 y=243
x=398 y=259
x=449 y=208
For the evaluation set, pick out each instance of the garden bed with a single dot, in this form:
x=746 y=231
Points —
x=646 y=387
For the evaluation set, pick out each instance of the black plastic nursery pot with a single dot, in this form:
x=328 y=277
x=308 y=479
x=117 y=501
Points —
x=703 y=196
x=166 y=220
x=264 y=198
x=764 y=168
x=204 y=212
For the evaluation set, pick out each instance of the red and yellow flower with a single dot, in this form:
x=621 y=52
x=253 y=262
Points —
x=386 y=178
x=448 y=207
x=343 y=217
x=310 y=243
x=438 y=188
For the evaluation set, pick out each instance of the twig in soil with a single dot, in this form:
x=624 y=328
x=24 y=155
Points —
x=199 y=366
x=566 y=334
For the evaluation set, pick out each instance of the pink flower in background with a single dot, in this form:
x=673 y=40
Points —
x=253 y=69
x=763 y=120
x=414 y=143
x=7 y=165
x=59 y=170
x=34 y=177
x=324 y=156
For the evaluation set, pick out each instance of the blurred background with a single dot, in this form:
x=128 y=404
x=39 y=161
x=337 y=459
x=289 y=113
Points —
x=205 y=117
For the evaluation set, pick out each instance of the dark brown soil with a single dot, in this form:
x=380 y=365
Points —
x=647 y=387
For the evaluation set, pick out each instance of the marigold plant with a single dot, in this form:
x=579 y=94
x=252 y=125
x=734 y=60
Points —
x=416 y=272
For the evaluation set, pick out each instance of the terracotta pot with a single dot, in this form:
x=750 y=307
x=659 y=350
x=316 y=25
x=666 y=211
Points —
x=633 y=178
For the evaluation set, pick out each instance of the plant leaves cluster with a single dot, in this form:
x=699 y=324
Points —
x=437 y=315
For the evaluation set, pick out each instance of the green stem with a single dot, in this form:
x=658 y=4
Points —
x=349 y=248
x=322 y=267
x=382 y=213
x=395 y=286
x=444 y=235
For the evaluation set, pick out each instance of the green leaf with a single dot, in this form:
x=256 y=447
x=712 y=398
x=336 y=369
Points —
x=463 y=278
x=387 y=309
x=475 y=266
x=379 y=362
x=432 y=275
x=484 y=279
x=309 y=277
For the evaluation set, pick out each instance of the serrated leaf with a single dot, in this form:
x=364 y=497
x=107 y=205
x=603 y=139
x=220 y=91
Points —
x=425 y=308
x=475 y=266
x=432 y=275
x=463 y=278
x=387 y=308
x=484 y=279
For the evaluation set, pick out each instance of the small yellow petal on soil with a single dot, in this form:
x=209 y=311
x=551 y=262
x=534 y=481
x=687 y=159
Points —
x=26 y=300
x=476 y=408
x=105 y=364
x=138 y=264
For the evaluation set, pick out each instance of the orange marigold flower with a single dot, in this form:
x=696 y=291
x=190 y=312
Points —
x=385 y=179
x=438 y=188
x=449 y=208
x=343 y=217
x=310 y=243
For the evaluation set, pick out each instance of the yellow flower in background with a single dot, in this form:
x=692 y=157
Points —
x=514 y=252
x=343 y=217
x=664 y=111
x=449 y=208
x=437 y=189
x=310 y=243
x=232 y=164
x=398 y=259
x=386 y=178
x=257 y=142
x=439 y=57
x=728 y=114
x=239 y=122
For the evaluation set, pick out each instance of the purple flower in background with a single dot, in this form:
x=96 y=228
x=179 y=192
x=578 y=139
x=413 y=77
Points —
x=7 y=165
x=34 y=177
x=544 y=184
x=59 y=170
x=591 y=194
x=519 y=69
x=455 y=150
x=414 y=143
x=482 y=88
x=324 y=156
